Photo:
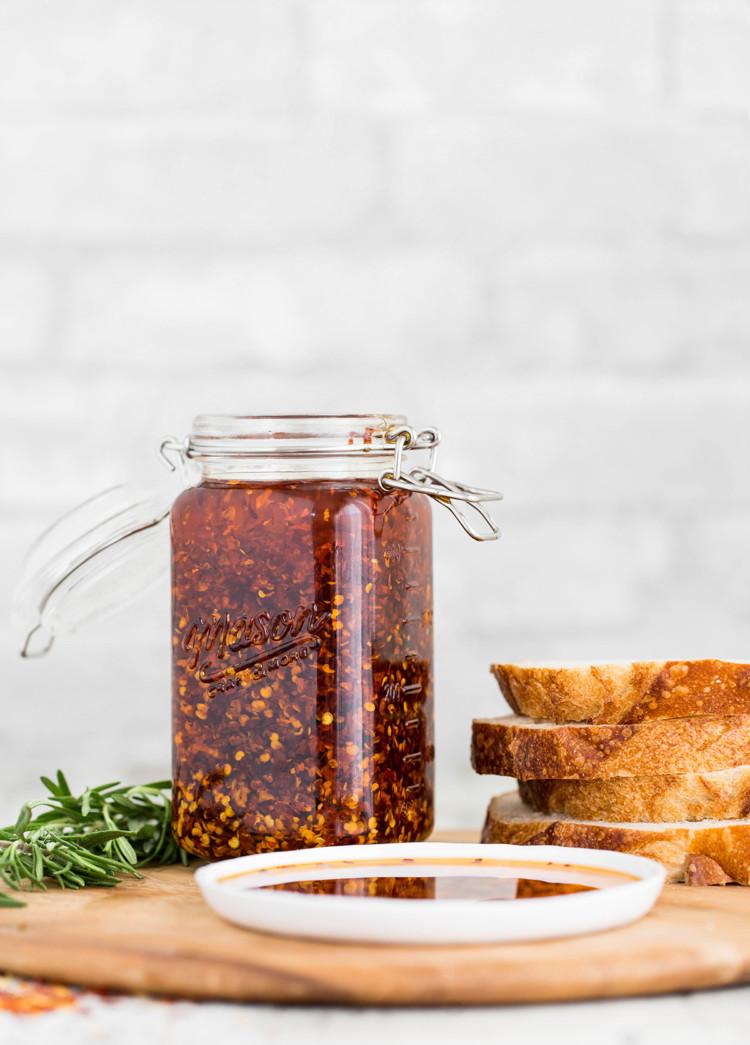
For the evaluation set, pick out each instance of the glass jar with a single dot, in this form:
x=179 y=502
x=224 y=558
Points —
x=302 y=640
x=302 y=689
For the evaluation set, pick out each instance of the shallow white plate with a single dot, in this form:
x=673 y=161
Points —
x=233 y=889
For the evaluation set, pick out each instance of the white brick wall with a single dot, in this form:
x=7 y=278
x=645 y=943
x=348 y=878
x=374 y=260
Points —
x=111 y=58
x=712 y=44
x=528 y=223
x=27 y=303
x=646 y=308
x=396 y=59
x=508 y=180
x=307 y=309
x=184 y=179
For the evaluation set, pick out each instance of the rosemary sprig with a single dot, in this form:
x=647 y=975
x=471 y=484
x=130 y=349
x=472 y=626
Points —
x=96 y=838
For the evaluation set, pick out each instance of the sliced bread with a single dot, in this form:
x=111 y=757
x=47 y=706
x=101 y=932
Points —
x=520 y=747
x=722 y=795
x=626 y=692
x=710 y=852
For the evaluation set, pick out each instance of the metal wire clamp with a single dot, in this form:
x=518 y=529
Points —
x=427 y=481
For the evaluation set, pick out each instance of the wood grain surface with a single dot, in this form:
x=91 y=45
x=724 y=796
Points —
x=158 y=936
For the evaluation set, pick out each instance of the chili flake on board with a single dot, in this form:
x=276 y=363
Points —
x=302 y=650
x=30 y=997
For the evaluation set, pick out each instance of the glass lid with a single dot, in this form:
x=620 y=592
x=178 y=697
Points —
x=93 y=560
x=301 y=435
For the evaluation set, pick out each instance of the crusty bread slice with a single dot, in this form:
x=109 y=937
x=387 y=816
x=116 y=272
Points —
x=520 y=747
x=722 y=795
x=626 y=692
x=711 y=852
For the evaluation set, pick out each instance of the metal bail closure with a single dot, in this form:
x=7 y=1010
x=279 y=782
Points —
x=427 y=481
x=173 y=454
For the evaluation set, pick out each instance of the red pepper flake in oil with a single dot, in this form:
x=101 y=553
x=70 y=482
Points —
x=302 y=648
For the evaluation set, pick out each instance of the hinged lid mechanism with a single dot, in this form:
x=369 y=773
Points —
x=108 y=550
x=295 y=445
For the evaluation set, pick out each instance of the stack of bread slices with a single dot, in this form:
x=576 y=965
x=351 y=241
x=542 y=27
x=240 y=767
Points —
x=649 y=757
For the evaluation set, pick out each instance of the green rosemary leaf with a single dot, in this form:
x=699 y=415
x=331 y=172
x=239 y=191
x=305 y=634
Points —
x=50 y=785
x=126 y=850
x=6 y=900
x=24 y=819
x=95 y=839
x=38 y=865
x=105 y=787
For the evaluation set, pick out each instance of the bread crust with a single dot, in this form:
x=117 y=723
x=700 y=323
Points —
x=519 y=747
x=709 y=853
x=722 y=795
x=629 y=692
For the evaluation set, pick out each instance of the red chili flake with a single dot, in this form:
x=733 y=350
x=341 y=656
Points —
x=29 y=997
x=302 y=644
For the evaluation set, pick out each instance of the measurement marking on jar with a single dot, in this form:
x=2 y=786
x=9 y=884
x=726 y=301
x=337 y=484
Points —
x=411 y=655
x=413 y=687
x=413 y=787
x=393 y=551
x=416 y=757
x=412 y=723
x=411 y=620
x=391 y=690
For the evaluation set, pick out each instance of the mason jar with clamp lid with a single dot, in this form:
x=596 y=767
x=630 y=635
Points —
x=301 y=624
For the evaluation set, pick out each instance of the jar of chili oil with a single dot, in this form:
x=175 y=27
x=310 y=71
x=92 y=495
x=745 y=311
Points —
x=302 y=640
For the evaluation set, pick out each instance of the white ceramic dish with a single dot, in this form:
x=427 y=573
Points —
x=233 y=889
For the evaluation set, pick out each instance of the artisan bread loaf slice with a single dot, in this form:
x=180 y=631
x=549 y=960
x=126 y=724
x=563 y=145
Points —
x=626 y=692
x=520 y=747
x=722 y=795
x=706 y=853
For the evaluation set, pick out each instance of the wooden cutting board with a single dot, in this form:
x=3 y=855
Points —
x=157 y=936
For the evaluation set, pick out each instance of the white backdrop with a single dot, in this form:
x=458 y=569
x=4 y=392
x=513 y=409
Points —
x=526 y=223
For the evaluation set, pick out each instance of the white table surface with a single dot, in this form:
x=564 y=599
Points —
x=718 y=1017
